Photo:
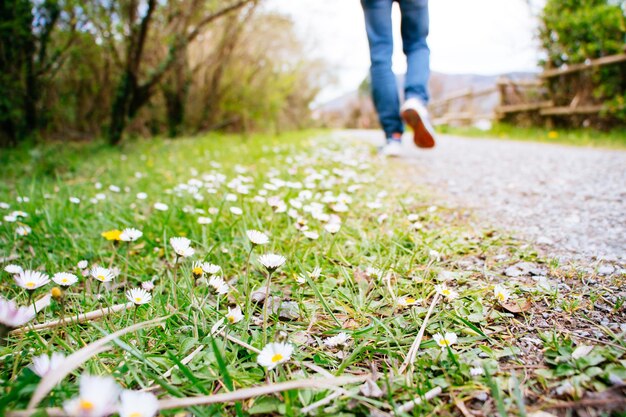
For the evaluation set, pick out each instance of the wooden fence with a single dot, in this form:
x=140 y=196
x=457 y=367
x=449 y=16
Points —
x=536 y=101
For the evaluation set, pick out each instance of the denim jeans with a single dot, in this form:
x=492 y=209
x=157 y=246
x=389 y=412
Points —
x=414 y=29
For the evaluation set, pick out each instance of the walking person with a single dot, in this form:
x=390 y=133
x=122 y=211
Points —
x=414 y=29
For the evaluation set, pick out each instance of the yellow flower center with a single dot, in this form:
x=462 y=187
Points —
x=197 y=271
x=410 y=300
x=445 y=291
x=135 y=414
x=445 y=342
x=30 y=285
x=100 y=278
x=137 y=299
x=277 y=357
x=231 y=319
x=64 y=280
x=500 y=296
x=86 y=405
x=112 y=234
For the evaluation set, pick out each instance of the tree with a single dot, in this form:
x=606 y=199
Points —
x=137 y=85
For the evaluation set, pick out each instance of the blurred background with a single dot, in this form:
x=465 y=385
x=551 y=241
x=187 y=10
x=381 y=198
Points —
x=85 y=69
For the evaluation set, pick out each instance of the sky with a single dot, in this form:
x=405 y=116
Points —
x=466 y=36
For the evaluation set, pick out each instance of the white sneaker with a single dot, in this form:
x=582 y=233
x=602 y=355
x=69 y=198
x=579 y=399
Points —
x=415 y=115
x=393 y=148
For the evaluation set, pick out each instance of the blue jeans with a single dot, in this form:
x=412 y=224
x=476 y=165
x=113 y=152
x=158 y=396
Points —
x=414 y=28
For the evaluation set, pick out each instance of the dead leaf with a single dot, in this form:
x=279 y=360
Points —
x=516 y=306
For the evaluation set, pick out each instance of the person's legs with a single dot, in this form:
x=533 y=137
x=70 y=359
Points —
x=384 y=89
x=414 y=28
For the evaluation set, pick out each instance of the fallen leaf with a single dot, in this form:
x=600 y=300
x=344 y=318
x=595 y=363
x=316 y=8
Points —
x=518 y=306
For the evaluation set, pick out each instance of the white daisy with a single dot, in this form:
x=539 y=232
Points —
x=236 y=210
x=501 y=293
x=65 y=278
x=102 y=274
x=13 y=316
x=31 y=280
x=147 y=285
x=445 y=341
x=332 y=228
x=74 y=200
x=274 y=354
x=137 y=404
x=311 y=235
x=43 y=364
x=23 y=230
x=204 y=220
x=234 y=315
x=97 y=397
x=476 y=371
x=218 y=284
x=271 y=261
x=210 y=268
x=407 y=301
x=339 y=339
x=13 y=269
x=315 y=273
x=448 y=293
x=82 y=264
x=257 y=238
x=181 y=246
x=130 y=234
x=196 y=269
x=138 y=296
x=141 y=196
x=161 y=206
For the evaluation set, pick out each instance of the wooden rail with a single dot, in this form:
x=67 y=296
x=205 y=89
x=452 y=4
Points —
x=529 y=96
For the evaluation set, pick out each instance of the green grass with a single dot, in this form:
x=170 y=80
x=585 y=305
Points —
x=416 y=246
x=614 y=139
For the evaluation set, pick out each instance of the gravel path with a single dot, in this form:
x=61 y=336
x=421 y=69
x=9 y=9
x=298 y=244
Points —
x=570 y=201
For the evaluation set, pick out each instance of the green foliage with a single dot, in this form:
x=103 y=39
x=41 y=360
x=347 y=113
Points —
x=573 y=32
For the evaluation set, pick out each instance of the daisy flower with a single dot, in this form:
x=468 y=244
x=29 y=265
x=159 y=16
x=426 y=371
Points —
x=12 y=316
x=257 y=238
x=147 y=285
x=501 y=293
x=446 y=292
x=141 y=196
x=236 y=210
x=271 y=261
x=112 y=235
x=23 y=230
x=196 y=269
x=102 y=274
x=476 y=371
x=339 y=339
x=181 y=246
x=218 y=284
x=274 y=354
x=82 y=264
x=210 y=268
x=74 y=200
x=43 y=364
x=311 y=235
x=137 y=404
x=138 y=296
x=407 y=301
x=161 y=206
x=31 y=280
x=13 y=269
x=204 y=220
x=445 y=341
x=130 y=234
x=234 y=315
x=97 y=397
x=65 y=278
x=332 y=228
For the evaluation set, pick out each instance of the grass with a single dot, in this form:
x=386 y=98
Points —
x=614 y=139
x=393 y=245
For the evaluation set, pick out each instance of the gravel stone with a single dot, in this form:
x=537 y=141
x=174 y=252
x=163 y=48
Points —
x=571 y=196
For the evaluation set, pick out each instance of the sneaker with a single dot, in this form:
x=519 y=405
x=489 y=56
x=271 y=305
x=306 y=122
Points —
x=415 y=115
x=393 y=148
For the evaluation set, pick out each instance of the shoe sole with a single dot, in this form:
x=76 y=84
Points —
x=421 y=136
